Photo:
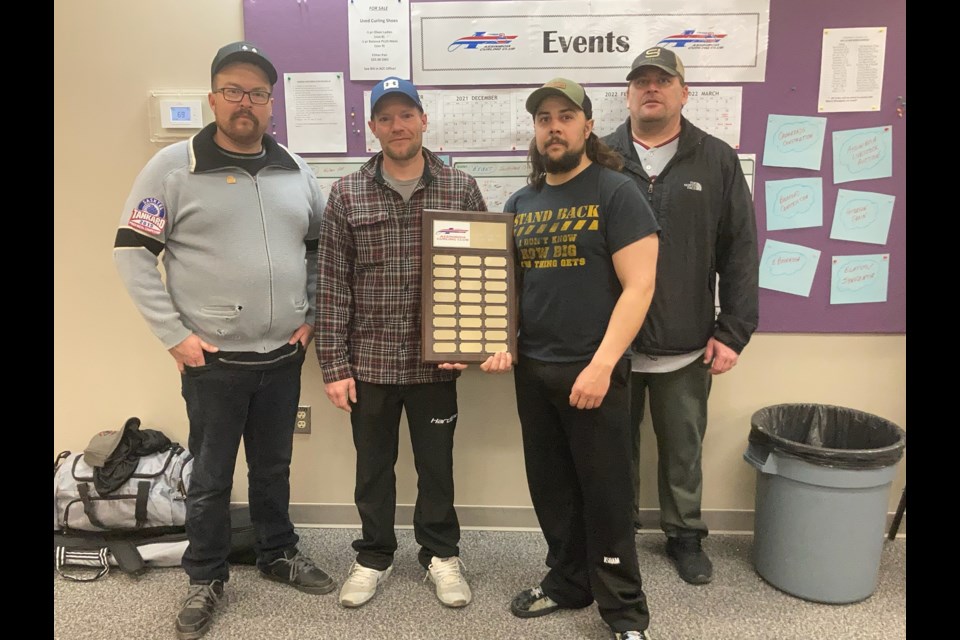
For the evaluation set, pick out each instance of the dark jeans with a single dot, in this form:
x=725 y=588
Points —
x=578 y=470
x=224 y=403
x=432 y=417
x=678 y=411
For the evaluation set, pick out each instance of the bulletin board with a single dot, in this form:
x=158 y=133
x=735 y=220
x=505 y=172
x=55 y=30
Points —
x=312 y=36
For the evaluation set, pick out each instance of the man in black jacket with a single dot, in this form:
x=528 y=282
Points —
x=696 y=186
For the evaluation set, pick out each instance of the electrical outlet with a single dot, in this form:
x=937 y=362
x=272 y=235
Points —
x=303 y=420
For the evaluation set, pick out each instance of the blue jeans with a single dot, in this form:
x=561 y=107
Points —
x=225 y=402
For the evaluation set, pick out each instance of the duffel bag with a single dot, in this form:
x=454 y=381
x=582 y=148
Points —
x=153 y=496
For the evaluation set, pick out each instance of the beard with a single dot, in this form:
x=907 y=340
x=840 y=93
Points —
x=410 y=153
x=242 y=134
x=569 y=161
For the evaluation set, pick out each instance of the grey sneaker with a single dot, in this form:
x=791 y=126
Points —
x=362 y=584
x=299 y=571
x=196 y=613
x=452 y=587
x=632 y=635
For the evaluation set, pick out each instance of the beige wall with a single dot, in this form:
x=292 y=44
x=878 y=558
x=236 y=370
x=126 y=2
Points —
x=108 y=55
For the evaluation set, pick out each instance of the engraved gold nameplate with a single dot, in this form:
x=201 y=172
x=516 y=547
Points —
x=469 y=292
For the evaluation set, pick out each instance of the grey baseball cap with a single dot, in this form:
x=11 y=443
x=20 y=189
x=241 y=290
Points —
x=660 y=58
x=103 y=444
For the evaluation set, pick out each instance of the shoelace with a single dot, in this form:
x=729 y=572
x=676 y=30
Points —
x=448 y=571
x=365 y=575
x=200 y=596
x=300 y=563
x=631 y=635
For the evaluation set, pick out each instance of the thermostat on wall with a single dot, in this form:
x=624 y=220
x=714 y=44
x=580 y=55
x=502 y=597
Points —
x=178 y=114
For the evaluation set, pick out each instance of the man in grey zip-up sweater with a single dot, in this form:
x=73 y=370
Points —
x=695 y=185
x=236 y=217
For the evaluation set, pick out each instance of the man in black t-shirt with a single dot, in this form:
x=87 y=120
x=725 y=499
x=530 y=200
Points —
x=586 y=247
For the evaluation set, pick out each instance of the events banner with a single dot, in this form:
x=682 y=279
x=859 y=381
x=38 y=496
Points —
x=589 y=41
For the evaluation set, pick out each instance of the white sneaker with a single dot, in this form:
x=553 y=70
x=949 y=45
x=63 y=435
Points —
x=361 y=585
x=452 y=587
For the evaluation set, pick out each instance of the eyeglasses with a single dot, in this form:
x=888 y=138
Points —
x=231 y=94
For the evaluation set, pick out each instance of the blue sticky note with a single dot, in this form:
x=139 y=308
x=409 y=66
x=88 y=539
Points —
x=862 y=154
x=794 y=141
x=794 y=204
x=788 y=267
x=861 y=216
x=859 y=279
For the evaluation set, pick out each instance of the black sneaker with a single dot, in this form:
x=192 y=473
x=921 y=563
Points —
x=196 y=614
x=298 y=570
x=692 y=563
x=531 y=603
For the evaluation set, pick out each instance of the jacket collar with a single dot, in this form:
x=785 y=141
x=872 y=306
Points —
x=205 y=155
x=690 y=137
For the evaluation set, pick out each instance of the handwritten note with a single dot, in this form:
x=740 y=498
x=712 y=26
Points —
x=794 y=204
x=328 y=171
x=858 y=279
x=794 y=141
x=862 y=154
x=788 y=267
x=861 y=216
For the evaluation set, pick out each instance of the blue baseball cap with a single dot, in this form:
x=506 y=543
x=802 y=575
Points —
x=393 y=85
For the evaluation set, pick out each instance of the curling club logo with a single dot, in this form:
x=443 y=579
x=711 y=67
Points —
x=483 y=41
x=693 y=39
x=150 y=216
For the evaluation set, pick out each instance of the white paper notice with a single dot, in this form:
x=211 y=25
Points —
x=316 y=122
x=379 y=39
x=851 y=69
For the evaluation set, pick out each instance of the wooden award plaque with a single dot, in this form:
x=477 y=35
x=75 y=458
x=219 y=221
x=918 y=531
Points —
x=469 y=292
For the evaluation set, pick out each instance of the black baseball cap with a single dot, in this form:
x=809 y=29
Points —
x=243 y=52
x=660 y=58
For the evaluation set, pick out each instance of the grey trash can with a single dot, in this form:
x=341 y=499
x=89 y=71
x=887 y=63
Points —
x=823 y=484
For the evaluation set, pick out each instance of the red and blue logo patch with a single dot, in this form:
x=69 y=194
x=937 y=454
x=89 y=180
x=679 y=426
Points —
x=150 y=216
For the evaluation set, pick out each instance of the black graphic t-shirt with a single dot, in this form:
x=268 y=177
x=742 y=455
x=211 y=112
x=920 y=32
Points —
x=564 y=238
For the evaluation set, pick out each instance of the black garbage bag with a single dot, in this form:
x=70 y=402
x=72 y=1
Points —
x=828 y=436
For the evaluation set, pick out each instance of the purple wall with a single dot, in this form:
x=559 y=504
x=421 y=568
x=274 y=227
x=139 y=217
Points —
x=311 y=35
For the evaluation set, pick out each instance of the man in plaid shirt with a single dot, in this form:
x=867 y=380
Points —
x=369 y=345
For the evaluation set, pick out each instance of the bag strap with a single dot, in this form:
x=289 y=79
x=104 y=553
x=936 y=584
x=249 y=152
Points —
x=140 y=509
x=63 y=455
x=143 y=495
x=66 y=556
x=127 y=556
x=84 y=490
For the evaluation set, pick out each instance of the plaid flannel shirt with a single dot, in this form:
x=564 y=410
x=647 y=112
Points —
x=369 y=276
